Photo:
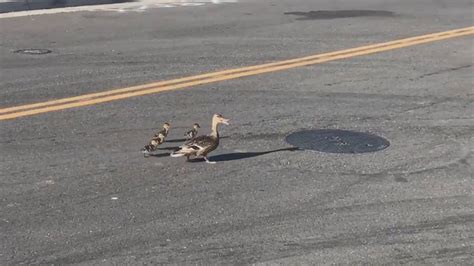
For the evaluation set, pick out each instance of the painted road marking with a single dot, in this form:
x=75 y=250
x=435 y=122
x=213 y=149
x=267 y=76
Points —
x=113 y=95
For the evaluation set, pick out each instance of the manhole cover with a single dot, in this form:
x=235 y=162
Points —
x=337 y=141
x=33 y=51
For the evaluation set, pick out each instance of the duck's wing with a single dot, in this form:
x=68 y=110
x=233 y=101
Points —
x=194 y=146
x=200 y=142
x=158 y=138
x=161 y=132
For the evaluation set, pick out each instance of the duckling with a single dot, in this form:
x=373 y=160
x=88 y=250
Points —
x=193 y=132
x=157 y=139
x=202 y=145
x=164 y=131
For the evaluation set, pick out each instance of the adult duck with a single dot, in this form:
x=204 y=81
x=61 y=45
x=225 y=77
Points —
x=203 y=145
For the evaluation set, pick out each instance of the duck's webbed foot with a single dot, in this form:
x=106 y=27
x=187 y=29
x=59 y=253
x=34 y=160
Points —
x=207 y=160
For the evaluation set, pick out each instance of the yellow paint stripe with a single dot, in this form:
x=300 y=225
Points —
x=162 y=83
x=117 y=94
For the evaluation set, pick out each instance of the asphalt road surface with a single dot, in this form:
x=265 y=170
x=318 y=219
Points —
x=75 y=188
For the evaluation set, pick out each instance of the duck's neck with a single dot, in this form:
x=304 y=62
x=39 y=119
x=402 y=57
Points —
x=214 y=130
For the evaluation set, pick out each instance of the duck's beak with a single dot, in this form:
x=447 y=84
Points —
x=225 y=121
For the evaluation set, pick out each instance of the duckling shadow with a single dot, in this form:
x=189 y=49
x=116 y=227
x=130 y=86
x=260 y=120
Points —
x=159 y=155
x=175 y=140
x=240 y=155
x=172 y=148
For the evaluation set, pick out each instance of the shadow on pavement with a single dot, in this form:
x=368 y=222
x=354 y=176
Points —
x=175 y=140
x=159 y=155
x=239 y=155
x=172 y=148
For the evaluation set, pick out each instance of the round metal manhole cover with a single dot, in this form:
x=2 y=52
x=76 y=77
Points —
x=33 y=51
x=337 y=141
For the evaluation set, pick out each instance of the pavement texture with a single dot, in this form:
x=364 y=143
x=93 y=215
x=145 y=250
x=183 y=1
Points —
x=24 y=5
x=64 y=6
x=75 y=188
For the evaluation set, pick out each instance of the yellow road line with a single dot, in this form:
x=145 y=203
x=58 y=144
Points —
x=117 y=94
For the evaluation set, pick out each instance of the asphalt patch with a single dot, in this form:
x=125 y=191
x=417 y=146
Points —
x=33 y=51
x=337 y=141
x=334 y=14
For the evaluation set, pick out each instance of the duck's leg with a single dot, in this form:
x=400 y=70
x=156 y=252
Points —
x=207 y=160
x=146 y=151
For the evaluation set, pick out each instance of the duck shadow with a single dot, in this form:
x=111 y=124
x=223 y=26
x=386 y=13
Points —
x=239 y=155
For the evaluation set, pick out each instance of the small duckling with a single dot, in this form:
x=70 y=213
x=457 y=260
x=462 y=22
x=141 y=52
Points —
x=157 y=139
x=193 y=132
x=164 y=131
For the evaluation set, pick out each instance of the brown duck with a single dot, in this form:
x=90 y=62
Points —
x=202 y=145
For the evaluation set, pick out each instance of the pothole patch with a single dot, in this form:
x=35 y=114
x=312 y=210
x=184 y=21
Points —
x=337 y=141
x=334 y=14
x=33 y=51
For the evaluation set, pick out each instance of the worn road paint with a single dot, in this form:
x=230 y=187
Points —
x=113 y=95
x=132 y=6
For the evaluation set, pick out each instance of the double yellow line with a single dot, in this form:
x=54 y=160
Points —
x=117 y=94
